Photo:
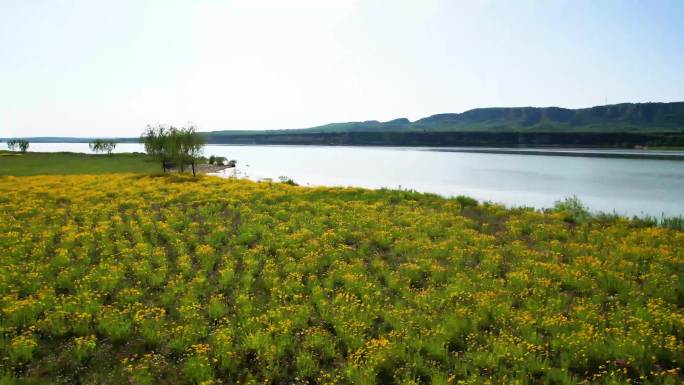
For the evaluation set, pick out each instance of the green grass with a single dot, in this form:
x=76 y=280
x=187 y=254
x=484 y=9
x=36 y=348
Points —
x=64 y=163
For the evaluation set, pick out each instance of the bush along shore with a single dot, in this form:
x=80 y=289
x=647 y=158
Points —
x=127 y=278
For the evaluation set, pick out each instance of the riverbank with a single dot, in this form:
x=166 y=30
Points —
x=595 y=139
x=655 y=152
x=630 y=187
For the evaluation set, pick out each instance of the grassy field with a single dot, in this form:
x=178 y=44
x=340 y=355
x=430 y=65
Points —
x=146 y=279
x=50 y=163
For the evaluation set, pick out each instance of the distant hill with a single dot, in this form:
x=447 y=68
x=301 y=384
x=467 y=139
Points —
x=626 y=125
x=625 y=117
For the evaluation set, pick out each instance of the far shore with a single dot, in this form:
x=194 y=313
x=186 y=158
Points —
x=650 y=153
x=585 y=153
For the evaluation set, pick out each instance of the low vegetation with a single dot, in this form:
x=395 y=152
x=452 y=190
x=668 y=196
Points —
x=169 y=279
x=575 y=211
x=63 y=163
x=221 y=161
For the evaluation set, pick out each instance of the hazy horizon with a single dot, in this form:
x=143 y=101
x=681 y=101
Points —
x=87 y=69
x=295 y=128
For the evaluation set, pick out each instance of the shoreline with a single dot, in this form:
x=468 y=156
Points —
x=579 y=152
x=566 y=153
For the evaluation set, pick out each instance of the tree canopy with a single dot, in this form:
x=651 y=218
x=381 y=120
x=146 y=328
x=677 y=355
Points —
x=179 y=146
x=18 y=144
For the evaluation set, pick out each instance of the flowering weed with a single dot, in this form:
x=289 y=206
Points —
x=145 y=280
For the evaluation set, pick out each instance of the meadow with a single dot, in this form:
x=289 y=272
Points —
x=65 y=163
x=140 y=279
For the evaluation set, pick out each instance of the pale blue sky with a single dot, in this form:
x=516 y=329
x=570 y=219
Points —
x=107 y=68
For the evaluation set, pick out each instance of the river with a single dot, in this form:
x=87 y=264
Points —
x=625 y=186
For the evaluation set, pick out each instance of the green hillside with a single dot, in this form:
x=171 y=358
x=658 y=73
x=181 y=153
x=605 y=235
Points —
x=625 y=117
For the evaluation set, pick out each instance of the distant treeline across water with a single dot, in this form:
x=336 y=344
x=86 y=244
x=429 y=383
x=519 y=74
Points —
x=505 y=139
x=431 y=139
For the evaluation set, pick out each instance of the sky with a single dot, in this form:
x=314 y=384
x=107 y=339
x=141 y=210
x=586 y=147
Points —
x=107 y=68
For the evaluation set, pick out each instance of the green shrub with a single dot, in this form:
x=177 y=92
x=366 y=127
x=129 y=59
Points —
x=673 y=222
x=287 y=180
x=21 y=348
x=197 y=367
x=84 y=347
x=466 y=201
x=114 y=324
x=216 y=307
x=575 y=211
x=645 y=221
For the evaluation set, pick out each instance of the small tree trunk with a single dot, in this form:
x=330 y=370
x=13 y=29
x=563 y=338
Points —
x=163 y=166
x=193 y=168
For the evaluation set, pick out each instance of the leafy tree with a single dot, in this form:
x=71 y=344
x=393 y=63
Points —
x=173 y=147
x=20 y=144
x=102 y=145
x=154 y=138
x=192 y=145
x=183 y=145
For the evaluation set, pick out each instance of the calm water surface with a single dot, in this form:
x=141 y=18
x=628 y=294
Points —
x=626 y=186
